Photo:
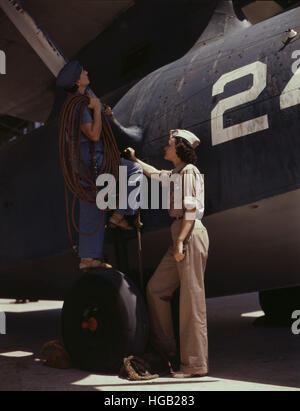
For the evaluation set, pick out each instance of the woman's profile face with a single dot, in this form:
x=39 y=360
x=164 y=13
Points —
x=84 y=80
x=170 y=150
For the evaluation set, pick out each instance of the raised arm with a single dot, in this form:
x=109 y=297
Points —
x=148 y=170
x=92 y=127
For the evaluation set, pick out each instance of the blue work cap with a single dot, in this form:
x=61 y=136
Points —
x=69 y=75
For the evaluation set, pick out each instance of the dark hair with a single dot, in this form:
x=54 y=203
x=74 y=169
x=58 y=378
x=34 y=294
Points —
x=185 y=151
x=72 y=89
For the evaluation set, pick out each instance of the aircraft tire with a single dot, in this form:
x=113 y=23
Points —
x=278 y=305
x=104 y=319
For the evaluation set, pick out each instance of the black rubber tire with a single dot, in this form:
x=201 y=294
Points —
x=278 y=305
x=122 y=317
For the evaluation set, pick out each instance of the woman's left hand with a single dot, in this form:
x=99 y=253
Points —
x=178 y=252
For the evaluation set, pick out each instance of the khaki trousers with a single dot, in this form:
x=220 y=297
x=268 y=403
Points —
x=189 y=275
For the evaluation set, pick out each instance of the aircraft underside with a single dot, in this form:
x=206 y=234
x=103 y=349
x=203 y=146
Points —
x=238 y=93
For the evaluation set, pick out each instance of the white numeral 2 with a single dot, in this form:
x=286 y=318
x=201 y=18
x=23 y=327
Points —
x=291 y=94
x=221 y=134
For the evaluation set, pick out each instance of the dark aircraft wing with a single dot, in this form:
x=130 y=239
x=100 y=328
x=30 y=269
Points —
x=26 y=89
x=124 y=39
x=152 y=34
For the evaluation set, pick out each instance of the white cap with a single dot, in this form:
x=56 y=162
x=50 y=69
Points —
x=188 y=136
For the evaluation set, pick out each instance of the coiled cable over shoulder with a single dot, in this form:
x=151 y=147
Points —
x=79 y=179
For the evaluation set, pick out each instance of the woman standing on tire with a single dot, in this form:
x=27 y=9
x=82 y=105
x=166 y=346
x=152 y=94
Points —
x=81 y=120
x=184 y=264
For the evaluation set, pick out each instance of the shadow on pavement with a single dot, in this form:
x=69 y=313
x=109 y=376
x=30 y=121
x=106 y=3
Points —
x=238 y=352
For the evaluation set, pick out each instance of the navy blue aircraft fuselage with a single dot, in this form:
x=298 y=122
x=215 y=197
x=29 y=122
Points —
x=240 y=94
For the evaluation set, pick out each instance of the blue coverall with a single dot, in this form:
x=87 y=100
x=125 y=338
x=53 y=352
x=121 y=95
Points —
x=90 y=217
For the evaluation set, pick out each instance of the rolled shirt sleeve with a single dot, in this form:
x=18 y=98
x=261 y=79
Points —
x=189 y=188
x=163 y=176
x=86 y=116
x=193 y=193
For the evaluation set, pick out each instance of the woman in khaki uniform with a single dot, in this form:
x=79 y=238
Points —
x=184 y=263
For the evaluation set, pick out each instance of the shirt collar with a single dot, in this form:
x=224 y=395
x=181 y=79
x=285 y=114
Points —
x=179 y=168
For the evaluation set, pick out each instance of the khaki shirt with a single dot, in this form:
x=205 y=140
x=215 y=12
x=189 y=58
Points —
x=186 y=192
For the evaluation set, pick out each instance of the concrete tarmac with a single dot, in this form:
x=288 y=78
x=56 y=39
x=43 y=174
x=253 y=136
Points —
x=243 y=357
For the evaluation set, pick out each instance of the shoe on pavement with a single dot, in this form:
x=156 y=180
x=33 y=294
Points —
x=120 y=222
x=187 y=375
x=174 y=363
x=88 y=263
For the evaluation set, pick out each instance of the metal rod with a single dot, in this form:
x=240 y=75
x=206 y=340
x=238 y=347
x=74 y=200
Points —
x=140 y=252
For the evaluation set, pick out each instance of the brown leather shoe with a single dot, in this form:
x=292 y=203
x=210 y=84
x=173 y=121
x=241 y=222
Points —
x=181 y=374
x=174 y=363
x=88 y=263
x=115 y=222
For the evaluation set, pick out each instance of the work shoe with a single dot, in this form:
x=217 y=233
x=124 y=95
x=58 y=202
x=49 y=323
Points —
x=174 y=364
x=88 y=263
x=120 y=222
x=181 y=374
